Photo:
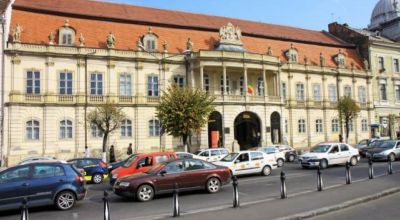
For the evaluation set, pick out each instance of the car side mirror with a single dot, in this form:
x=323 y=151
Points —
x=163 y=172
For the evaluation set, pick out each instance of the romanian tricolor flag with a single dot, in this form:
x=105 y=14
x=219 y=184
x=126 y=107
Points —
x=250 y=89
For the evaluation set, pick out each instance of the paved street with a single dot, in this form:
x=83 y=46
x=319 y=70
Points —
x=253 y=189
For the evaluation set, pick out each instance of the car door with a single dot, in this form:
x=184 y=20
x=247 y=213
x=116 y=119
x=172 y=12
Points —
x=205 y=155
x=14 y=183
x=46 y=178
x=334 y=155
x=194 y=174
x=242 y=164
x=397 y=149
x=345 y=153
x=143 y=164
x=168 y=176
x=215 y=155
x=256 y=161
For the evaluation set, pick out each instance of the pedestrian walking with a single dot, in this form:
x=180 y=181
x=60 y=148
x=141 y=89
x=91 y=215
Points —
x=129 y=151
x=112 y=154
x=87 y=152
x=340 y=138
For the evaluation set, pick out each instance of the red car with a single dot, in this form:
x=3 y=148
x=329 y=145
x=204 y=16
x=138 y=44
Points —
x=189 y=174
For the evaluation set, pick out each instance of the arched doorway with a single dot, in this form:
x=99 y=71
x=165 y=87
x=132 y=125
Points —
x=215 y=138
x=276 y=128
x=247 y=130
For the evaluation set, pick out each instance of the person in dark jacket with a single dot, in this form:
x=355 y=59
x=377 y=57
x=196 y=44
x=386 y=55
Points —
x=129 y=152
x=112 y=154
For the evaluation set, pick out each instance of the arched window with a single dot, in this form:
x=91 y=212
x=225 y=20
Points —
x=149 y=41
x=292 y=55
x=302 y=126
x=364 y=125
x=206 y=82
x=32 y=130
x=222 y=85
x=335 y=125
x=260 y=86
x=319 y=126
x=66 y=35
x=154 y=128
x=126 y=128
x=96 y=132
x=65 y=129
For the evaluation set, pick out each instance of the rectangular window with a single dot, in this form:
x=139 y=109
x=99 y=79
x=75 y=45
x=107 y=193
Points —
x=396 y=65
x=206 y=80
x=179 y=81
x=347 y=91
x=260 y=87
x=33 y=82
x=152 y=86
x=362 y=96
x=302 y=126
x=66 y=39
x=364 y=125
x=397 y=91
x=317 y=92
x=300 y=92
x=335 y=126
x=222 y=85
x=318 y=126
x=284 y=91
x=65 y=83
x=125 y=85
x=383 y=90
x=381 y=64
x=96 y=84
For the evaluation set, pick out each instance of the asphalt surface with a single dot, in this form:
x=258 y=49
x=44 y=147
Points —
x=252 y=189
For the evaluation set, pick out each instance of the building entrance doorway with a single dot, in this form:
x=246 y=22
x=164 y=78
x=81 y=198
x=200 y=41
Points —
x=215 y=136
x=248 y=130
x=276 y=128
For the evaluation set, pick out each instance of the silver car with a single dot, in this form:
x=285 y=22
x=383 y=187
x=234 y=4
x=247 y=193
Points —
x=384 y=150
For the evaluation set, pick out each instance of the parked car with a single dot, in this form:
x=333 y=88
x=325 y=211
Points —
x=186 y=155
x=115 y=165
x=95 y=170
x=384 y=150
x=139 y=164
x=248 y=162
x=189 y=174
x=274 y=151
x=43 y=183
x=290 y=152
x=326 y=154
x=213 y=154
x=33 y=159
x=363 y=144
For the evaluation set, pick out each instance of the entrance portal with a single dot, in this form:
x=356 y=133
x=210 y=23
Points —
x=215 y=138
x=276 y=128
x=248 y=130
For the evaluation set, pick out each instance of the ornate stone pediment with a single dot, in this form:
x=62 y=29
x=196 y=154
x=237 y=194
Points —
x=230 y=38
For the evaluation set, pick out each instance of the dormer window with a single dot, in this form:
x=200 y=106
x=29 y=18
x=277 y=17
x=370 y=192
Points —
x=340 y=59
x=150 y=41
x=66 y=35
x=292 y=55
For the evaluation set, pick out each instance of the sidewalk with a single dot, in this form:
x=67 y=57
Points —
x=305 y=205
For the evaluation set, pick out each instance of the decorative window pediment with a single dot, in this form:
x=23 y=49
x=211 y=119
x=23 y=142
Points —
x=292 y=54
x=340 y=59
x=149 y=41
x=66 y=35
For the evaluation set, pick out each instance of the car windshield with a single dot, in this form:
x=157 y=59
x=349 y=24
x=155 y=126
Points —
x=322 y=148
x=197 y=152
x=154 y=170
x=130 y=160
x=230 y=157
x=376 y=143
x=387 y=144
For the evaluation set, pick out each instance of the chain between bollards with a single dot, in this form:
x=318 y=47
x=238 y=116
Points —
x=283 y=186
x=24 y=209
x=319 y=180
x=106 y=206
x=177 y=211
x=235 y=185
x=390 y=167
x=348 y=173
x=370 y=169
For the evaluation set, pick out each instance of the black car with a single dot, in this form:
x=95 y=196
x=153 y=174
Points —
x=290 y=153
x=42 y=183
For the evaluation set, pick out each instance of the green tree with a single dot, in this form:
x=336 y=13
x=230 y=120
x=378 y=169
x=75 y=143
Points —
x=107 y=118
x=348 y=110
x=183 y=111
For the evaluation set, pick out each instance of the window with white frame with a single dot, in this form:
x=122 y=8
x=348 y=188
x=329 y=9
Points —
x=300 y=91
x=179 y=80
x=65 y=83
x=32 y=130
x=260 y=86
x=241 y=86
x=126 y=128
x=284 y=91
x=222 y=85
x=319 y=126
x=125 y=84
x=154 y=128
x=332 y=93
x=347 y=91
x=397 y=91
x=152 y=86
x=383 y=89
x=335 y=125
x=317 y=92
x=362 y=94
x=364 y=125
x=33 y=82
x=150 y=41
x=396 y=65
x=302 y=126
x=381 y=64
x=291 y=55
x=206 y=82
x=351 y=128
x=96 y=132
x=96 y=84
x=65 y=129
x=66 y=35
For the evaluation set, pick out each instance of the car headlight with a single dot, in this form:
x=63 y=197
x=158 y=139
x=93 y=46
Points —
x=124 y=184
x=115 y=176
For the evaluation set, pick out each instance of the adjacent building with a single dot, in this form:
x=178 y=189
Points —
x=272 y=83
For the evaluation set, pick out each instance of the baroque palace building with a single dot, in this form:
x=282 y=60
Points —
x=272 y=83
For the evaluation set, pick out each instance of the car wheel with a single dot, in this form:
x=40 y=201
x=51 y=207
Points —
x=213 y=185
x=65 y=200
x=291 y=158
x=353 y=161
x=266 y=171
x=97 y=178
x=280 y=162
x=145 y=193
x=323 y=164
x=391 y=157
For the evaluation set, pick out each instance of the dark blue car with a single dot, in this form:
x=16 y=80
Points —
x=95 y=169
x=42 y=183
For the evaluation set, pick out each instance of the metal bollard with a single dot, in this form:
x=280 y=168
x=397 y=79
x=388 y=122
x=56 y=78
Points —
x=370 y=169
x=283 y=186
x=24 y=210
x=106 y=206
x=390 y=167
x=348 y=173
x=235 y=185
x=319 y=181
x=176 y=201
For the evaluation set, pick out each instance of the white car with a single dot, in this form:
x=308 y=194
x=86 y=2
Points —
x=326 y=154
x=212 y=154
x=248 y=162
x=34 y=159
x=187 y=155
x=273 y=151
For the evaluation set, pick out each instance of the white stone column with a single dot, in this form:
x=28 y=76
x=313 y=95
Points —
x=201 y=77
x=245 y=83
x=224 y=80
x=264 y=81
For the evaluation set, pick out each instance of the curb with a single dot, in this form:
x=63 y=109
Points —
x=344 y=205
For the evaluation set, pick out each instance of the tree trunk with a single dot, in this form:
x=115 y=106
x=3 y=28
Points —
x=104 y=153
x=347 y=130
x=184 y=139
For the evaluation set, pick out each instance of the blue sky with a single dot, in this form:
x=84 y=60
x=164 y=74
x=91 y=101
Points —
x=309 y=14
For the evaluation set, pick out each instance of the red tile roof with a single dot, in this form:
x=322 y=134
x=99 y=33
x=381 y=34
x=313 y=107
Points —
x=3 y=5
x=128 y=23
